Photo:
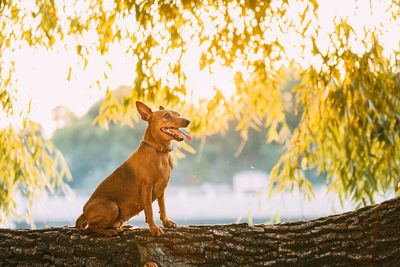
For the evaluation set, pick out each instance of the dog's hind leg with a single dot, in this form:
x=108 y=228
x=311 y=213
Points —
x=81 y=222
x=102 y=216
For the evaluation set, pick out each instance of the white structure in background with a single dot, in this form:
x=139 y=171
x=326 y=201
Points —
x=250 y=181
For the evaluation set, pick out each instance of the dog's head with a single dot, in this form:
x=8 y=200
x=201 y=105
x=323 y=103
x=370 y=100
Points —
x=164 y=124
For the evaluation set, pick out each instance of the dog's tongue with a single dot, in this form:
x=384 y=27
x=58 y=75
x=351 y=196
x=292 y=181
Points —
x=184 y=135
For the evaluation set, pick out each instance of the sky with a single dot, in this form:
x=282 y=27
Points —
x=42 y=75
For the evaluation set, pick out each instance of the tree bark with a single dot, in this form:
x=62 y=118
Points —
x=366 y=237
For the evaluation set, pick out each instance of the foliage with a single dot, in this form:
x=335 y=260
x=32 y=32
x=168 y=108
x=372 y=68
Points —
x=350 y=85
x=350 y=126
x=29 y=163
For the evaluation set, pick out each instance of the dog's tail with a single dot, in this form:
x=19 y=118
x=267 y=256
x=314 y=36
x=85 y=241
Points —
x=81 y=222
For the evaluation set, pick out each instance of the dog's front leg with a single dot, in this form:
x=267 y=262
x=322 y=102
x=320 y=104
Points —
x=147 y=192
x=163 y=214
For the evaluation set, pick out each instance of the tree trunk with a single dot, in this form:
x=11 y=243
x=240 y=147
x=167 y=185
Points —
x=366 y=237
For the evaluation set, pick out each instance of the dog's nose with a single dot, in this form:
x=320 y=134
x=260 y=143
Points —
x=187 y=122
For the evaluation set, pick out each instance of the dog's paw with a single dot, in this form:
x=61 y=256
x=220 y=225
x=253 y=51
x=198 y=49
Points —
x=156 y=231
x=168 y=223
x=112 y=232
x=107 y=231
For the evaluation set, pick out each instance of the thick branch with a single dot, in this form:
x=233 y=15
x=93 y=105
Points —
x=366 y=237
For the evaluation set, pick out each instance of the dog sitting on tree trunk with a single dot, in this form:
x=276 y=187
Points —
x=140 y=180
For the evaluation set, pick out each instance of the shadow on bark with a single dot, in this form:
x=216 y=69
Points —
x=366 y=237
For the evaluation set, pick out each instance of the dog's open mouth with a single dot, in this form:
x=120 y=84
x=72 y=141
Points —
x=176 y=133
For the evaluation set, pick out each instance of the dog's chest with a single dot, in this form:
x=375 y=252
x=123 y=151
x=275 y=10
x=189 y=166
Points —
x=162 y=167
x=161 y=179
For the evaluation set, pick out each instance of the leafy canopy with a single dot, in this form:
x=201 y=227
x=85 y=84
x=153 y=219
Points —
x=349 y=91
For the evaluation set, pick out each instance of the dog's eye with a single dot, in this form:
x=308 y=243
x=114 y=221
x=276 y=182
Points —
x=167 y=116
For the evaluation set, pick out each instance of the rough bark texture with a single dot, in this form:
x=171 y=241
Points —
x=367 y=237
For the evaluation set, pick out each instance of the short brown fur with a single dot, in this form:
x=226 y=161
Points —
x=139 y=181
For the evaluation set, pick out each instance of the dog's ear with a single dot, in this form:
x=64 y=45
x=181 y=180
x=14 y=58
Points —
x=144 y=111
x=161 y=108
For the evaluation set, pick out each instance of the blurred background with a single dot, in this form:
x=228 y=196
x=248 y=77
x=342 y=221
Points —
x=295 y=105
x=220 y=183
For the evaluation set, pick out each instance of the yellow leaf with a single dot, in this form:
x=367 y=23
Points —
x=69 y=74
x=277 y=218
x=179 y=154
x=109 y=65
x=272 y=135
x=250 y=218
x=86 y=62
x=304 y=164
x=187 y=147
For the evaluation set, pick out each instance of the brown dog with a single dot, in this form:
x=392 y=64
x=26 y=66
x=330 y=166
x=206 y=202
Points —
x=140 y=180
